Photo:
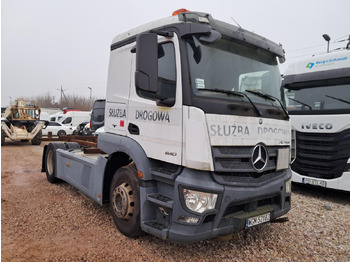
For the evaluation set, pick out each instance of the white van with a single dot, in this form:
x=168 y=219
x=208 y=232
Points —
x=44 y=116
x=56 y=117
x=74 y=118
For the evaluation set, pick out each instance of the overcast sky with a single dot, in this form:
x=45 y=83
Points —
x=46 y=44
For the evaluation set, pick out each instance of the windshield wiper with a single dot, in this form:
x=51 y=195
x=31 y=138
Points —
x=300 y=102
x=231 y=92
x=339 y=99
x=270 y=97
x=217 y=90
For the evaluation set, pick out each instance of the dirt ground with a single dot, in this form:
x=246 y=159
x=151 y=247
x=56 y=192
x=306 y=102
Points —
x=54 y=222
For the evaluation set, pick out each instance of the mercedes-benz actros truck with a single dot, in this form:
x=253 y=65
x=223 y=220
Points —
x=197 y=143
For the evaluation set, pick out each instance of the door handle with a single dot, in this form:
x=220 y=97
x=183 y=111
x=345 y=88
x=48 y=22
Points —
x=133 y=129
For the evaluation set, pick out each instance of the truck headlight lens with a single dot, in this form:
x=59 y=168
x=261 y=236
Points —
x=289 y=186
x=199 y=201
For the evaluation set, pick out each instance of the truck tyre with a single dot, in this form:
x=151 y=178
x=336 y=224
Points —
x=61 y=133
x=2 y=138
x=124 y=200
x=50 y=161
x=37 y=139
x=70 y=146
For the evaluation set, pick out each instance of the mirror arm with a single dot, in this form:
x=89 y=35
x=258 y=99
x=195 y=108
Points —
x=162 y=33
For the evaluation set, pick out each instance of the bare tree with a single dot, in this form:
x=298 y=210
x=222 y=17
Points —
x=78 y=102
x=47 y=100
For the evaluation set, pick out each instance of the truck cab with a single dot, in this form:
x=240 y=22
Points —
x=97 y=118
x=317 y=95
x=196 y=139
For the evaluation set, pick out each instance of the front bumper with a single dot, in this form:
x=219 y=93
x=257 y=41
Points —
x=234 y=206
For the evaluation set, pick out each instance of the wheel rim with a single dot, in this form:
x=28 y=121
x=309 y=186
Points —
x=61 y=133
x=123 y=201
x=50 y=162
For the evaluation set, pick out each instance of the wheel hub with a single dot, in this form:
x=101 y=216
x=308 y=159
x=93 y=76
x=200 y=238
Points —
x=123 y=201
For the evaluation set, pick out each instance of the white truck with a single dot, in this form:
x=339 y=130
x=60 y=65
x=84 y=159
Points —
x=317 y=96
x=196 y=143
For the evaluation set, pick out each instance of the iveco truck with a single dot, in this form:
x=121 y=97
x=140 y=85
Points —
x=197 y=143
x=317 y=94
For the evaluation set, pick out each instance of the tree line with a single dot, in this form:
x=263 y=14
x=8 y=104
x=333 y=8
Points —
x=47 y=100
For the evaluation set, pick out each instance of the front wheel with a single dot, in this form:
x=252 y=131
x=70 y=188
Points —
x=125 y=201
x=61 y=133
x=3 y=138
x=37 y=139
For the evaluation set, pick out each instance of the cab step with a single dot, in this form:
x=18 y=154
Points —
x=155 y=228
x=165 y=175
x=160 y=200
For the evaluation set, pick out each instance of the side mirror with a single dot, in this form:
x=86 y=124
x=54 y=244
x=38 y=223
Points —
x=146 y=75
x=211 y=38
x=281 y=59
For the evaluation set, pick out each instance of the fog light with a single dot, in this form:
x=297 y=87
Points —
x=288 y=186
x=199 y=201
x=190 y=220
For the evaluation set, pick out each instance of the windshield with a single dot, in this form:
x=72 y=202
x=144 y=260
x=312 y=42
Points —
x=219 y=68
x=319 y=99
x=98 y=115
x=26 y=114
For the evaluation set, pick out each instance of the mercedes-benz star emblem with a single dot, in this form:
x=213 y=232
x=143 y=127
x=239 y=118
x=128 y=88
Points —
x=259 y=157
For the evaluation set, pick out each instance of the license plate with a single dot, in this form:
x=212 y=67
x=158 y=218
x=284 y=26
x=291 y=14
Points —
x=253 y=221
x=314 y=182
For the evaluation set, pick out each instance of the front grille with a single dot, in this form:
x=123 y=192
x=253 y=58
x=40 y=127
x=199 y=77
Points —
x=233 y=165
x=238 y=159
x=322 y=155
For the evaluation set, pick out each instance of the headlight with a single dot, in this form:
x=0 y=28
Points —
x=199 y=201
x=288 y=186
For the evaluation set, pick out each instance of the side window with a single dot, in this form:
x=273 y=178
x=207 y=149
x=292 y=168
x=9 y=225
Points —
x=67 y=120
x=166 y=73
x=53 y=124
x=166 y=70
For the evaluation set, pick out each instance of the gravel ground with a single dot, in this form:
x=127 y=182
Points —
x=45 y=222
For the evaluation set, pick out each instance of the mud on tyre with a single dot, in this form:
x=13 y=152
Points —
x=125 y=201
